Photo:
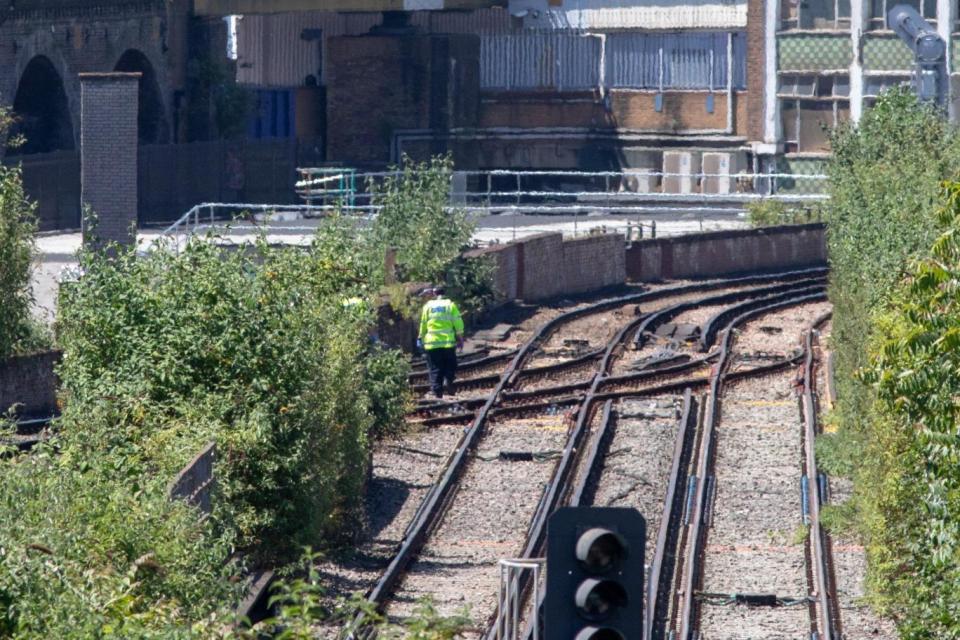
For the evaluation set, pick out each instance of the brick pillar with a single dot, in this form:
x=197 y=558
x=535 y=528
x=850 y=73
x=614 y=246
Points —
x=108 y=154
x=379 y=84
x=756 y=69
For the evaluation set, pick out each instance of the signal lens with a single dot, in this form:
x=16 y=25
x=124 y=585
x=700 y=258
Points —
x=599 y=633
x=600 y=550
x=597 y=599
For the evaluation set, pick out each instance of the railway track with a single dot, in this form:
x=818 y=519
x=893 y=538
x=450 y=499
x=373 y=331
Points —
x=490 y=497
x=729 y=573
x=674 y=496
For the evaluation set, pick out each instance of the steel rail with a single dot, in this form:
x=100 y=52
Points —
x=665 y=315
x=465 y=363
x=435 y=500
x=697 y=533
x=650 y=295
x=558 y=486
x=557 y=483
x=713 y=325
x=826 y=613
x=673 y=503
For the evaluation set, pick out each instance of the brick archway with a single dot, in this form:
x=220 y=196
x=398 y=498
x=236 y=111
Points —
x=40 y=105
x=152 y=124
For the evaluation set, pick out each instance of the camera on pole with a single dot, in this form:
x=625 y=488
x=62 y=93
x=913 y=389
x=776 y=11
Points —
x=595 y=574
x=929 y=52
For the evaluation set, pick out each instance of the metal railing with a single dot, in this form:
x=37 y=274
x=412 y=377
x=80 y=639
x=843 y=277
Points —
x=510 y=601
x=557 y=191
x=329 y=185
x=222 y=217
x=538 y=193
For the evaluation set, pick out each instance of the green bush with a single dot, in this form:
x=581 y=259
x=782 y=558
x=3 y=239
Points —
x=769 y=213
x=884 y=181
x=17 y=225
x=97 y=550
x=163 y=353
x=415 y=219
x=893 y=347
x=254 y=348
x=916 y=373
x=168 y=351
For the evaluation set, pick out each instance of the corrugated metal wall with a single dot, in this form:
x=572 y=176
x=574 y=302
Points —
x=540 y=61
x=273 y=52
x=689 y=60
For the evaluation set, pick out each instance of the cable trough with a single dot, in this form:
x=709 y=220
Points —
x=539 y=419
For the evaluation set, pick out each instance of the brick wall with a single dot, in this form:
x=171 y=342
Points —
x=505 y=258
x=593 y=262
x=546 y=266
x=30 y=381
x=628 y=110
x=727 y=252
x=380 y=83
x=80 y=37
x=108 y=154
x=756 y=68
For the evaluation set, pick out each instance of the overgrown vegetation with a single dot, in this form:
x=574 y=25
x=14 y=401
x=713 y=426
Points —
x=253 y=348
x=895 y=348
x=770 y=213
x=429 y=238
x=302 y=607
x=19 y=331
x=17 y=226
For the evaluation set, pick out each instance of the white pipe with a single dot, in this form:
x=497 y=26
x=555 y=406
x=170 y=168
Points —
x=858 y=19
x=771 y=112
x=729 y=82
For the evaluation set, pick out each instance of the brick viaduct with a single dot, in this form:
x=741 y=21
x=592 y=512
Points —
x=45 y=44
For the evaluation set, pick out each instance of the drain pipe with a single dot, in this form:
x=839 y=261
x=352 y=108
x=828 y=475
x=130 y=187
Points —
x=729 y=129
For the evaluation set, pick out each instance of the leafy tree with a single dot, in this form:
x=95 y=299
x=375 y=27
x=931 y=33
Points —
x=17 y=226
x=896 y=374
x=915 y=370
x=415 y=218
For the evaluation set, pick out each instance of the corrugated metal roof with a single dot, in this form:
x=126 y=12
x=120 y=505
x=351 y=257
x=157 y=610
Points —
x=639 y=14
x=273 y=53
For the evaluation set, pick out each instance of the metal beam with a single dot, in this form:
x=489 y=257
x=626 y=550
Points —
x=231 y=7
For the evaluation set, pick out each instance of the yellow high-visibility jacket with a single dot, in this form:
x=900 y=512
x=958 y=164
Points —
x=440 y=324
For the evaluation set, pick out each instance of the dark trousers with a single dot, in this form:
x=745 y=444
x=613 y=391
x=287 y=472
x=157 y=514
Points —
x=442 y=366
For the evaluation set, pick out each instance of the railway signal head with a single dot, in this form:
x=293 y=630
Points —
x=595 y=574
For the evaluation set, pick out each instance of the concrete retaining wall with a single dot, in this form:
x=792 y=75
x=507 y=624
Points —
x=195 y=482
x=723 y=253
x=31 y=382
